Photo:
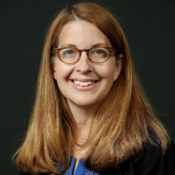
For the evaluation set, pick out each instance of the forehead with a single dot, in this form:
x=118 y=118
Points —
x=82 y=34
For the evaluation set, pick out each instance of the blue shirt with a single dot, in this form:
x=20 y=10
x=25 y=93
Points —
x=80 y=170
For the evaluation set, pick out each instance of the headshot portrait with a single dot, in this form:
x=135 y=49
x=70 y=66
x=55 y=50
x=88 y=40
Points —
x=90 y=88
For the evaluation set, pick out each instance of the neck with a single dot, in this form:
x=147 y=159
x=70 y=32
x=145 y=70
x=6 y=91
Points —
x=83 y=117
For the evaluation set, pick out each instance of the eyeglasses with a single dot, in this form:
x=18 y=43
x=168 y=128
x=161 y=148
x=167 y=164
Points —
x=71 y=55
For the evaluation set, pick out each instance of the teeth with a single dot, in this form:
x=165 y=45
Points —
x=90 y=82
x=76 y=82
x=83 y=83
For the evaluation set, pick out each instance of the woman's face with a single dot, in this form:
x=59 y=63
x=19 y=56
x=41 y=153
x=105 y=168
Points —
x=84 y=35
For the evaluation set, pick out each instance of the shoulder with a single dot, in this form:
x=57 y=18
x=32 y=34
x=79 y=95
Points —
x=152 y=162
x=23 y=173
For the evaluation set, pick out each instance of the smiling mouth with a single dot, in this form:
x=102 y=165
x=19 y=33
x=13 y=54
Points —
x=84 y=83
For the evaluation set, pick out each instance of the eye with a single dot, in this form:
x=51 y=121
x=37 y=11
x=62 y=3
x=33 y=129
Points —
x=68 y=55
x=68 y=52
x=98 y=52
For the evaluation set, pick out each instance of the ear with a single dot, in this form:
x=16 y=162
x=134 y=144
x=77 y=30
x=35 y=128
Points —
x=118 y=66
x=54 y=74
x=53 y=67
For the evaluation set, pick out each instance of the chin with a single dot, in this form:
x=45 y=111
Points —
x=85 y=104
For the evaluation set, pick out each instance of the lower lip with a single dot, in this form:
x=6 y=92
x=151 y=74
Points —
x=84 y=88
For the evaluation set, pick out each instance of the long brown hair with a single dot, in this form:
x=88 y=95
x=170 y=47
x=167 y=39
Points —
x=121 y=127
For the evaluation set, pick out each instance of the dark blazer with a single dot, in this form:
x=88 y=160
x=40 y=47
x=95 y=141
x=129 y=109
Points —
x=151 y=163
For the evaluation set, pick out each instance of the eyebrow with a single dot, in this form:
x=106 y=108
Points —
x=68 y=45
x=94 y=45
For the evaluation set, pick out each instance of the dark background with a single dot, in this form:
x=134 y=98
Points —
x=149 y=26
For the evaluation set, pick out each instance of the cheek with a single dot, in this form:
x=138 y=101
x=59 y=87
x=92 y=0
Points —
x=62 y=72
x=107 y=71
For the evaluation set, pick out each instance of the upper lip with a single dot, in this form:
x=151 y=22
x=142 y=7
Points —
x=83 y=80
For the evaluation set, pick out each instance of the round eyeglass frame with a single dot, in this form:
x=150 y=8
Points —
x=57 y=50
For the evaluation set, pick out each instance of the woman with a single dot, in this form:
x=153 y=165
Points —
x=91 y=115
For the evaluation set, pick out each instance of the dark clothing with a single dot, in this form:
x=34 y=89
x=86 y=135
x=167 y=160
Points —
x=151 y=163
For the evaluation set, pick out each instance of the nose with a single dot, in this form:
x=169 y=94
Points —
x=84 y=65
